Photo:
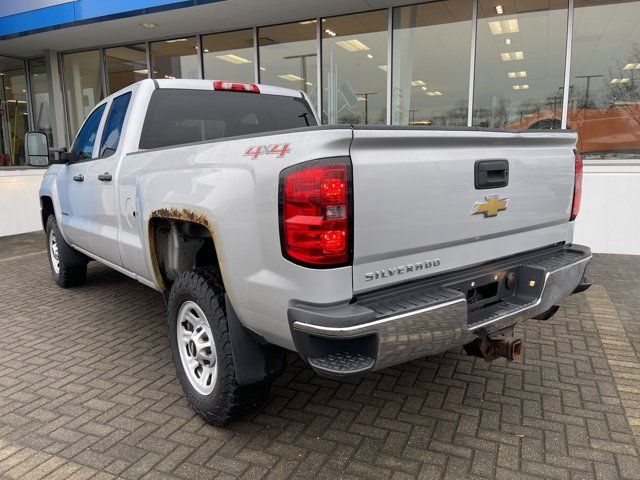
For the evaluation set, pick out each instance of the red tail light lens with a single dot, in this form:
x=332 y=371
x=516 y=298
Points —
x=236 y=86
x=315 y=210
x=577 y=188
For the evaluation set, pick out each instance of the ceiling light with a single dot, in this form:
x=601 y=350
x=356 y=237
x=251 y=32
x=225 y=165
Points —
x=382 y=67
x=435 y=93
x=521 y=87
x=619 y=80
x=231 y=58
x=291 y=77
x=142 y=71
x=206 y=50
x=309 y=84
x=369 y=55
x=169 y=76
x=504 y=26
x=176 y=40
x=148 y=25
x=507 y=41
x=508 y=56
x=424 y=88
x=417 y=83
x=352 y=45
x=263 y=68
x=330 y=32
x=308 y=22
x=499 y=10
x=521 y=74
x=631 y=66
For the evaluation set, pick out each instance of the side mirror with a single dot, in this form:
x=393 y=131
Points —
x=37 y=149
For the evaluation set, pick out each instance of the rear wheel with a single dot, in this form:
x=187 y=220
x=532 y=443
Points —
x=201 y=350
x=68 y=266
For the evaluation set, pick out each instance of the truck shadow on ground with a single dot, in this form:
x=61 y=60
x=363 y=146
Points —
x=98 y=389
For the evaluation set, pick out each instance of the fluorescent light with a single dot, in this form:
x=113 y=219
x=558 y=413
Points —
x=619 y=80
x=142 y=71
x=369 y=55
x=169 y=76
x=504 y=26
x=231 y=58
x=508 y=56
x=521 y=87
x=176 y=40
x=382 y=67
x=263 y=68
x=499 y=10
x=309 y=84
x=291 y=77
x=520 y=74
x=424 y=88
x=507 y=41
x=307 y=22
x=417 y=83
x=330 y=32
x=435 y=93
x=631 y=66
x=352 y=45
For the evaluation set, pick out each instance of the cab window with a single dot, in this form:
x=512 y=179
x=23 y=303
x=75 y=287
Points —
x=83 y=148
x=113 y=127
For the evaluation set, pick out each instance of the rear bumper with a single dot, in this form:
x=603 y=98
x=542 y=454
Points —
x=424 y=318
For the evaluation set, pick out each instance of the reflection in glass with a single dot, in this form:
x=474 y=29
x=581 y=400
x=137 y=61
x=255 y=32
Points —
x=520 y=63
x=288 y=57
x=604 y=95
x=82 y=85
x=431 y=85
x=41 y=97
x=124 y=66
x=354 y=61
x=229 y=56
x=14 y=120
x=175 y=58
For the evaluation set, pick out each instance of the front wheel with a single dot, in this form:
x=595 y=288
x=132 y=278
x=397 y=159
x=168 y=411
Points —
x=68 y=266
x=201 y=350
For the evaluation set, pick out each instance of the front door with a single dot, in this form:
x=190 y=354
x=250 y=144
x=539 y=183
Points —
x=73 y=189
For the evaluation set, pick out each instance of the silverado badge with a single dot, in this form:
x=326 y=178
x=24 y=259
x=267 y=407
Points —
x=491 y=206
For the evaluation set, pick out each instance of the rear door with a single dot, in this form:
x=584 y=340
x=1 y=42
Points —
x=103 y=206
x=420 y=208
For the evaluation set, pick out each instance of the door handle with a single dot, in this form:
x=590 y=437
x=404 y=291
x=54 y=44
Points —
x=78 y=178
x=491 y=174
x=105 y=177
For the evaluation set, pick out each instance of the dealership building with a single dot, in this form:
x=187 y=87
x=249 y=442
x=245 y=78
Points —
x=514 y=64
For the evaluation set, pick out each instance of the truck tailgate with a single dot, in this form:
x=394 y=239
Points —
x=415 y=196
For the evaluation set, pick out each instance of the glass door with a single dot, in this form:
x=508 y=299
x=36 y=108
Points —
x=14 y=115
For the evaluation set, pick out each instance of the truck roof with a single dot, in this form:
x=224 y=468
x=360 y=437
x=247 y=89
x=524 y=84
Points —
x=208 y=85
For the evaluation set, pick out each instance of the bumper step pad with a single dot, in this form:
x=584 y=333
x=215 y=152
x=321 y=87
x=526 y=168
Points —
x=344 y=363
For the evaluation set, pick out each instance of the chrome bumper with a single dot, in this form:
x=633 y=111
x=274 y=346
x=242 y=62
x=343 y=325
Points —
x=442 y=323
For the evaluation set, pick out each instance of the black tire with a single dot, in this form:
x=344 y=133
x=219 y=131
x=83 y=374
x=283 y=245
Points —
x=228 y=400
x=72 y=265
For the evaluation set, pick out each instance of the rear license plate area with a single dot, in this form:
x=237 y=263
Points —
x=488 y=289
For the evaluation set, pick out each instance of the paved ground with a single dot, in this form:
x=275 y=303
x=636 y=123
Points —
x=87 y=389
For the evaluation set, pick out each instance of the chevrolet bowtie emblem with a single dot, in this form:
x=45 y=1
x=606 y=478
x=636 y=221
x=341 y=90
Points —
x=491 y=206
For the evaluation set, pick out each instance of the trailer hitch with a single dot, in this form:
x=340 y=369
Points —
x=497 y=345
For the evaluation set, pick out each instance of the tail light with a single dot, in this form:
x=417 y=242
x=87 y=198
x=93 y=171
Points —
x=316 y=211
x=577 y=188
x=235 y=86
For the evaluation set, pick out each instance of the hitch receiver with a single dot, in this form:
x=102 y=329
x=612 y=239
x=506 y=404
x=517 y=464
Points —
x=500 y=344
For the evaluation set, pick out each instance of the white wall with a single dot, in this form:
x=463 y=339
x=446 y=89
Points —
x=609 y=219
x=19 y=203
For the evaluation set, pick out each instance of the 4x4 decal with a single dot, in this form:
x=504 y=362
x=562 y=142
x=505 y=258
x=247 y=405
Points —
x=278 y=149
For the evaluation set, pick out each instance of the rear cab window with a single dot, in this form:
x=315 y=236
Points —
x=179 y=116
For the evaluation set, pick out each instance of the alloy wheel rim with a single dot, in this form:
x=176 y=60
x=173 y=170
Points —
x=54 y=252
x=197 y=348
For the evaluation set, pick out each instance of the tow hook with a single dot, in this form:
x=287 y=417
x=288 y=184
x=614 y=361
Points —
x=496 y=346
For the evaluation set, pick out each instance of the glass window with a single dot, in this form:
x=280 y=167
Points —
x=431 y=85
x=83 y=86
x=113 y=127
x=175 y=58
x=124 y=66
x=176 y=116
x=14 y=119
x=354 y=63
x=520 y=63
x=86 y=139
x=604 y=95
x=229 y=56
x=41 y=97
x=288 y=57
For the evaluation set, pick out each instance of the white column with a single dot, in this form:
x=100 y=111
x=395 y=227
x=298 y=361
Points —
x=57 y=101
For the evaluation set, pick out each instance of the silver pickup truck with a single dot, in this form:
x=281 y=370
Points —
x=358 y=247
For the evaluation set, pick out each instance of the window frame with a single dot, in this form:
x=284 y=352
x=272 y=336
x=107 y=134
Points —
x=128 y=94
x=74 y=148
